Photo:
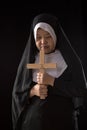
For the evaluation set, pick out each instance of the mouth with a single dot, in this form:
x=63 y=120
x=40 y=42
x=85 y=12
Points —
x=44 y=47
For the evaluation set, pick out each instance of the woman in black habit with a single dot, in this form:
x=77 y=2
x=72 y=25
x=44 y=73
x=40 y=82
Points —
x=59 y=87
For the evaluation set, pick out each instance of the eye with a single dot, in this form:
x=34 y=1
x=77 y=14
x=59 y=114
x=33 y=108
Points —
x=48 y=37
x=38 y=38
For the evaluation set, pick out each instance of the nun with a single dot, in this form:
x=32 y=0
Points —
x=58 y=86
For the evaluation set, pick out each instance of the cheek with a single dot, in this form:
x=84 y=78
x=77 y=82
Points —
x=37 y=45
x=52 y=48
x=52 y=45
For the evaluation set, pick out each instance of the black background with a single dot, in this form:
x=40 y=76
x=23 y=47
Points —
x=14 y=31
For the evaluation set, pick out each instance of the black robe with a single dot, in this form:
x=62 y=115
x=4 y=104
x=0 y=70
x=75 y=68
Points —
x=56 y=111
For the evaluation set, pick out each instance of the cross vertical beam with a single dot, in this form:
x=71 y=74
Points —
x=41 y=65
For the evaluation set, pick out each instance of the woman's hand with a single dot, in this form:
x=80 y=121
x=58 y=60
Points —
x=40 y=91
x=45 y=78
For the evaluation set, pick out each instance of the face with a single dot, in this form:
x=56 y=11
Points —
x=44 y=39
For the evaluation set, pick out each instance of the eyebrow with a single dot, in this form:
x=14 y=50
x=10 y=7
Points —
x=47 y=33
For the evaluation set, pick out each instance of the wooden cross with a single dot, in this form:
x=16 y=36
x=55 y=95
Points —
x=42 y=65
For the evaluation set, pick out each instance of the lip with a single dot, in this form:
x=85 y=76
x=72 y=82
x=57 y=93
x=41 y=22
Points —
x=43 y=46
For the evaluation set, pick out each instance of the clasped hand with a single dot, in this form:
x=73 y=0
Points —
x=43 y=80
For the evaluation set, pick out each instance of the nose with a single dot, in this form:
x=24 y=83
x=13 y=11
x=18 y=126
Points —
x=43 y=41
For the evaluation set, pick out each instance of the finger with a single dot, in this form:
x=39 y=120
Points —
x=39 y=81
x=43 y=91
x=39 y=74
x=43 y=96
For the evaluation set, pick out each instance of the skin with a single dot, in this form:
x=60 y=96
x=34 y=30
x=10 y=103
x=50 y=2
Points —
x=43 y=39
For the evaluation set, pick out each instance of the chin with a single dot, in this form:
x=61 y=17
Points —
x=48 y=52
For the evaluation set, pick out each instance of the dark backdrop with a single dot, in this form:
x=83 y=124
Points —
x=14 y=31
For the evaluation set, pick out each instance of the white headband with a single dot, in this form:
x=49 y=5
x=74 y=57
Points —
x=47 y=28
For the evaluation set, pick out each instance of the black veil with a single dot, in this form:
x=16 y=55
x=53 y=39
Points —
x=23 y=81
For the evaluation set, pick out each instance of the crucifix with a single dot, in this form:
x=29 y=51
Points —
x=42 y=65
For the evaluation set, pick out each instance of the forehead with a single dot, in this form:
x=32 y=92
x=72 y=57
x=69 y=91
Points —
x=42 y=31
